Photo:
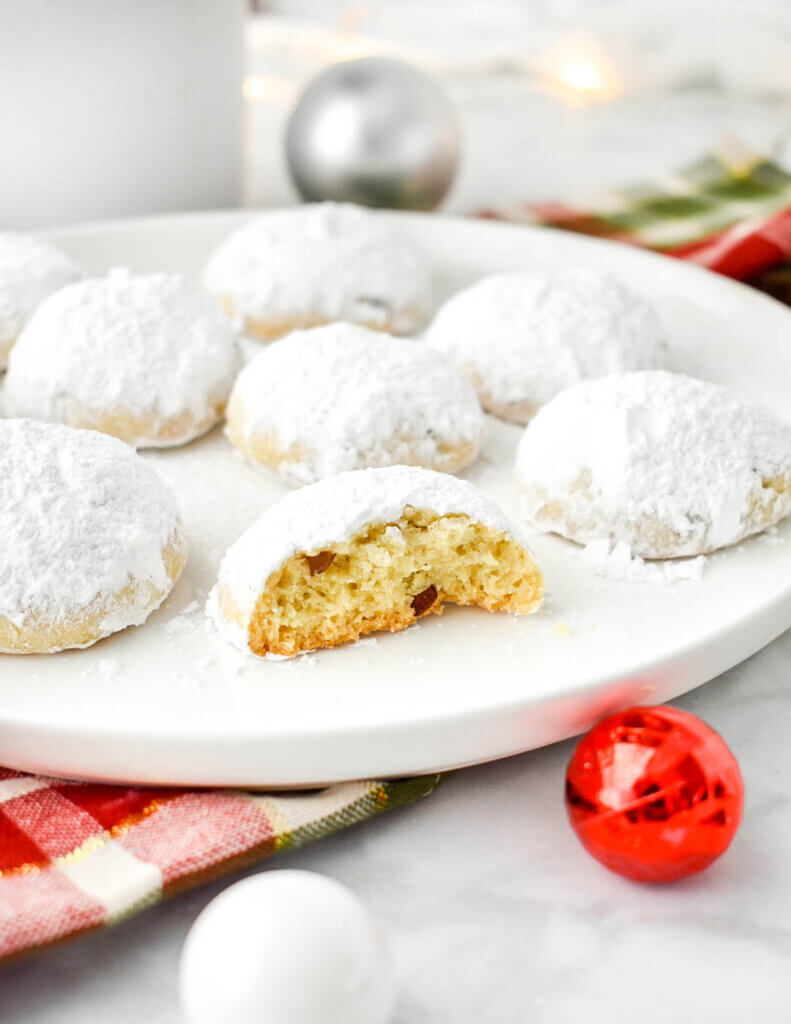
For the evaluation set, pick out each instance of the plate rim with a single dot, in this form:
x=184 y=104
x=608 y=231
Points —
x=776 y=606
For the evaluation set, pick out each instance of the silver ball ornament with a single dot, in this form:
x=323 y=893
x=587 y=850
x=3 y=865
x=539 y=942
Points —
x=376 y=131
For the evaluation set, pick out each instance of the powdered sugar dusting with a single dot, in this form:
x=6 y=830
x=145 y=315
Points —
x=617 y=562
x=81 y=515
x=30 y=270
x=186 y=622
x=332 y=510
x=149 y=346
x=522 y=337
x=667 y=464
x=342 y=397
x=325 y=261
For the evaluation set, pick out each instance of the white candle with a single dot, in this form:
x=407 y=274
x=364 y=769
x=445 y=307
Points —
x=118 y=107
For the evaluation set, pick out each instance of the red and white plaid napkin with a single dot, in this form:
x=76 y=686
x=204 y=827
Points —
x=77 y=856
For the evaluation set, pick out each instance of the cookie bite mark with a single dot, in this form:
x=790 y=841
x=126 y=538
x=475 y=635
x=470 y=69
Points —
x=374 y=582
x=383 y=572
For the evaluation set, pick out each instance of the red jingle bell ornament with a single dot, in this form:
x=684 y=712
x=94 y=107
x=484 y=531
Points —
x=654 y=794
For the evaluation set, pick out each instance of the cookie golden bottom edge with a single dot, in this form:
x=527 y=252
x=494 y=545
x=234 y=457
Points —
x=101 y=618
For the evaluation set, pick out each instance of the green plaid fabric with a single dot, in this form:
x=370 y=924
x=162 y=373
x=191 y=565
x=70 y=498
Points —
x=730 y=210
x=702 y=199
x=77 y=856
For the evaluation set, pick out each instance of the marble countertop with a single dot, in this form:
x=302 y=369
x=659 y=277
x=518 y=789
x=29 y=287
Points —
x=494 y=912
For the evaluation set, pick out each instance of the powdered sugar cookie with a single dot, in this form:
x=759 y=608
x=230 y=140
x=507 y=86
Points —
x=30 y=270
x=149 y=359
x=667 y=464
x=315 y=264
x=369 y=550
x=522 y=337
x=92 y=541
x=342 y=397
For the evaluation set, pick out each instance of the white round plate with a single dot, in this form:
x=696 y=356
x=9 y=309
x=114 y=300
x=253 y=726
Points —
x=171 y=702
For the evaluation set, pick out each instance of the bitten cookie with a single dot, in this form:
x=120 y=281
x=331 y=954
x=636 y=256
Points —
x=370 y=550
x=92 y=540
x=667 y=464
x=148 y=359
x=342 y=397
x=522 y=337
x=316 y=264
x=30 y=270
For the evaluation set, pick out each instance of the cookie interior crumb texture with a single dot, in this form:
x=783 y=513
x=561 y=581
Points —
x=386 y=577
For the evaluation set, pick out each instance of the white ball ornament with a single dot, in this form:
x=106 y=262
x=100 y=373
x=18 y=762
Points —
x=376 y=131
x=286 y=947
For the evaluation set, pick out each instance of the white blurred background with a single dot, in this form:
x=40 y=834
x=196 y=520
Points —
x=556 y=97
x=112 y=107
